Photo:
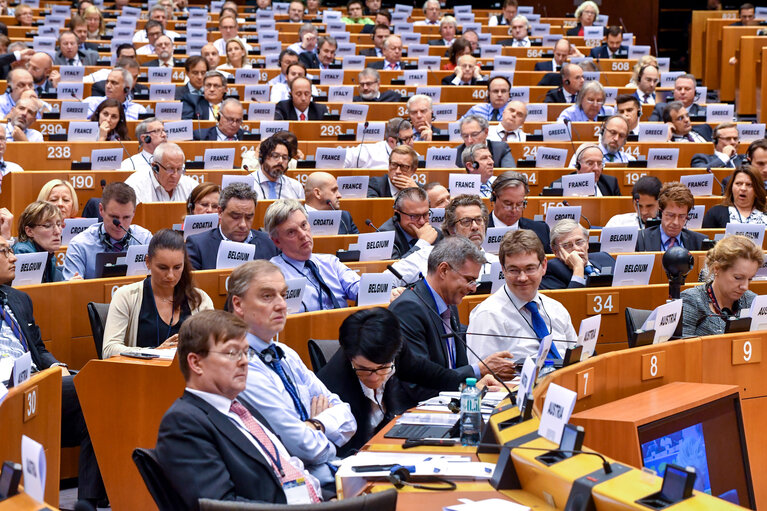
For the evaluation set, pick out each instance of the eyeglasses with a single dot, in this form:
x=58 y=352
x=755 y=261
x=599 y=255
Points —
x=514 y=207
x=414 y=217
x=469 y=279
x=403 y=167
x=615 y=133
x=527 y=270
x=213 y=85
x=278 y=156
x=6 y=250
x=49 y=226
x=466 y=222
x=231 y=120
x=161 y=130
x=580 y=243
x=381 y=371
x=171 y=171
x=682 y=217
x=233 y=355
x=473 y=134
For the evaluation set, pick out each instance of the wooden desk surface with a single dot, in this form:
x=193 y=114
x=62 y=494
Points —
x=23 y=502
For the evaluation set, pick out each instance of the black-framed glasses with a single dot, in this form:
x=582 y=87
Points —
x=414 y=217
x=381 y=371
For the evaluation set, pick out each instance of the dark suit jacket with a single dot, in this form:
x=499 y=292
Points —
x=89 y=46
x=87 y=58
x=210 y=134
x=501 y=152
x=657 y=112
x=181 y=91
x=310 y=60
x=555 y=96
x=91 y=208
x=21 y=306
x=378 y=186
x=575 y=30
x=541 y=229
x=546 y=65
x=99 y=88
x=437 y=42
x=347 y=224
x=448 y=80
x=388 y=96
x=156 y=63
x=401 y=245
x=195 y=108
x=204 y=455
x=284 y=111
x=203 y=248
x=368 y=52
x=422 y=331
x=551 y=79
x=702 y=161
x=5 y=64
x=558 y=274
x=380 y=65
x=608 y=185
x=601 y=52
x=649 y=240
x=717 y=217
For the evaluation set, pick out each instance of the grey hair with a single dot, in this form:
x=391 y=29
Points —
x=369 y=71
x=592 y=86
x=214 y=74
x=240 y=279
x=278 y=212
x=166 y=148
x=448 y=19
x=327 y=39
x=390 y=38
x=510 y=179
x=419 y=97
x=143 y=127
x=414 y=193
x=395 y=125
x=482 y=121
x=305 y=29
x=127 y=77
x=520 y=17
x=565 y=227
x=455 y=251
x=468 y=153
x=427 y=2
x=239 y=191
x=230 y=101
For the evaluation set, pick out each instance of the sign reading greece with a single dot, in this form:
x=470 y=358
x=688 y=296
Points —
x=493 y=238
x=374 y=132
x=588 y=335
x=445 y=112
x=375 y=288
x=295 y=294
x=460 y=184
x=269 y=128
x=440 y=157
x=261 y=112
x=74 y=226
x=653 y=132
x=556 y=213
x=699 y=184
x=231 y=254
x=750 y=132
x=557 y=132
x=550 y=157
x=73 y=111
x=353 y=187
x=330 y=157
x=578 y=185
x=194 y=224
x=754 y=232
x=324 y=223
x=136 y=259
x=537 y=112
x=375 y=246
x=662 y=158
x=83 y=131
x=30 y=268
x=619 y=239
x=168 y=110
x=354 y=112
x=633 y=269
x=717 y=113
x=219 y=158
x=106 y=159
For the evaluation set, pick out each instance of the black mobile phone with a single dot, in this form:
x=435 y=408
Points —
x=9 y=479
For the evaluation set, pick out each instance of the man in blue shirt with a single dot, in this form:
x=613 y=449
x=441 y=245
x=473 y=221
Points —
x=498 y=94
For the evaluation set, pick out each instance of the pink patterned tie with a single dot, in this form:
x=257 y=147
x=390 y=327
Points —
x=291 y=472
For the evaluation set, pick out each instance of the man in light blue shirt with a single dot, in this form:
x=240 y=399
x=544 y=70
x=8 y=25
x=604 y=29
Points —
x=119 y=84
x=330 y=283
x=310 y=420
x=117 y=208
x=498 y=94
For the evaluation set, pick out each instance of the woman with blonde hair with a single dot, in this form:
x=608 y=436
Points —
x=236 y=56
x=94 y=21
x=61 y=194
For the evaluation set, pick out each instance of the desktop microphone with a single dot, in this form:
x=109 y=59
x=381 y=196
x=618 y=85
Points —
x=117 y=223
x=370 y=224
x=582 y=215
x=454 y=334
x=130 y=156
x=569 y=132
x=330 y=203
x=708 y=169
x=362 y=141
x=103 y=184
x=199 y=123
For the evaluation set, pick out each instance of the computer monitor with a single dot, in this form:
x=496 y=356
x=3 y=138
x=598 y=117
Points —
x=710 y=438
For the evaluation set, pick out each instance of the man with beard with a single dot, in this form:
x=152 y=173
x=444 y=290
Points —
x=369 y=81
x=271 y=181
x=45 y=80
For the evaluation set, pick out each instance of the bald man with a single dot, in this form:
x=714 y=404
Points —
x=40 y=66
x=321 y=191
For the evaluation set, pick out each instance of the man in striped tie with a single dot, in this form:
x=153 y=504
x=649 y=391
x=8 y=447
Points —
x=213 y=445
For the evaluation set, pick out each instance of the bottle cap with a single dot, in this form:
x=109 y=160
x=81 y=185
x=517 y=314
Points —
x=471 y=382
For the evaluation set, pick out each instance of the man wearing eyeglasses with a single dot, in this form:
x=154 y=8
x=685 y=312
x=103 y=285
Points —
x=590 y=158
x=474 y=130
x=612 y=140
x=274 y=154
x=207 y=106
x=509 y=201
x=403 y=162
x=229 y=126
x=675 y=201
x=573 y=262
x=376 y=155
x=150 y=134
x=410 y=222
x=310 y=419
x=517 y=317
x=165 y=181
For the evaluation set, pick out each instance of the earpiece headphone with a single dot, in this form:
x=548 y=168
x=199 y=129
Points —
x=189 y=205
x=475 y=165
x=399 y=476
x=126 y=90
x=9 y=88
x=104 y=238
x=156 y=167
x=501 y=182
x=147 y=139
x=583 y=150
x=399 y=127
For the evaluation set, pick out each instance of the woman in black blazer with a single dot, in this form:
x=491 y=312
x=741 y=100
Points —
x=745 y=201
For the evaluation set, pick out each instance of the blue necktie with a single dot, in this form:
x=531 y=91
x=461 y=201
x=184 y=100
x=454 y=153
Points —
x=324 y=288
x=271 y=357
x=14 y=325
x=590 y=270
x=272 y=189
x=494 y=115
x=540 y=328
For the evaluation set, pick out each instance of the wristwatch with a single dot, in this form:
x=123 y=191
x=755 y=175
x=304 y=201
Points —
x=317 y=424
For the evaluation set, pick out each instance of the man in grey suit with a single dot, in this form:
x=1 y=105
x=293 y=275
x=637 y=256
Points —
x=474 y=130
x=726 y=138
x=69 y=53
x=684 y=91
x=675 y=201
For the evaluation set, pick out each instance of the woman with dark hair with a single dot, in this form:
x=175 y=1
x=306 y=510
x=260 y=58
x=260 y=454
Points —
x=203 y=199
x=149 y=313
x=459 y=47
x=40 y=227
x=111 y=119
x=744 y=201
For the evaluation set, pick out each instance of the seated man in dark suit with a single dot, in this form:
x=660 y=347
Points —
x=196 y=67
x=378 y=35
x=163 y=48
x=236 y=211
x=474 y=130
x=425 y=310
x=510 y=190
x=321 y=189
x=466 y=72
x=573 y=263
x=747 y=15
x=70 y=54
x=572 y=81
x=561 y=52
x=447 y=29
x=206 y=443
x=675 y=201
x=369 y=81
x=392 y=54
x=410 y=222
x=300 y=107
x=684 y=91
x=613 y=47
x=325 y=56
x=681 y=129
x=205 y=107
x=590 y=158
x=21 y=334
x=726 y=138
x=403 y=162
x=229 y=125
x=99 y=88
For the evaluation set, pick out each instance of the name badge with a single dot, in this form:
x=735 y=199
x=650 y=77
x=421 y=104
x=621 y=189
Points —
x=504 y=63
x=271 y=47
x=633 y=269
x=436 y=217
x=257 y=93
x=195 y=24
x=664 y=320
x=69 y=90
x=557 y=132
x=415 y=77
x=194 y=224
x=266 y=25
x=578 y=185
x=354 y=61
x=73 y=110
x=330 y=157
x=658 y=158
x=162 y=92
x=354 y=112
x=664 y=64
x=695 y=217
x=526 y=380
x=464 y=17
x=268 y=36
x=540 y=29
x=179 y=130
x=556 y=213
x=750 y=132
x=341 y=36
x=324 y=223
x=106 y=159
x=493 y=238
x=194 y=46
x=417 y=50
x=73 y=227
x=168 y=110
x=441 y=157
x=619 y=239
x=353 y=187
x=591 y=76
x=435 y=93
x=668 y=78
x=246 y=76
x=720 y=113
x=588 y=334
x=219 y=158
x=295 y=294
x=335 y=26
x=261 y=112
x=374 y=132
x=83 y=131
x=228 y=179
x=159 y=75
x=445 y=112
x=269 y=128
x=408 y=9
x=593 y=32
x=123 y=31
x=263 y=14
x=520 y=94
x=340 y=93
x=491 y=51
x=136 y=259
x=232 y=254
x=754 y=232
x=61 y=10
x=429 y=62
x=399 y=17
x=71 y=73
x=477 y=27
x=44 y=44
x=29 y=268
x=460 y=9
x=550 y=40
x=48 y=31
x=653 y=132
x=464 y=184
x=196 y=33
x=33 y=461
x=346 y=48
x=557 y=408
x=637 y=51
x=131 y=12
x=550 y=157
x=699 y=184
x=374 y=246
x=411 y=38
x=758 y=313
x=537 y=112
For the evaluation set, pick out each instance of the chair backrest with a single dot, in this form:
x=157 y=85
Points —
x=322 y=350
x=158 y=485
x=380 y=501
x=97 y=315
x=635 y=318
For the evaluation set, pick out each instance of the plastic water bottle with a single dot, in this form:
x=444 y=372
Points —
x=471 y=416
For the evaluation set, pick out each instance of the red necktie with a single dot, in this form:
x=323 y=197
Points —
x=290 y=472
x=302 y=117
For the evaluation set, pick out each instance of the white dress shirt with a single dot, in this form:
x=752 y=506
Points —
x=32 y=135
x=140 y=161
x=623 y=220
x=521 y=43
x=287 y=187
x=148 y=189
x=147 y=49
x=415 y=264
x=371 y=156
x=497 y=132
x=140 y=36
